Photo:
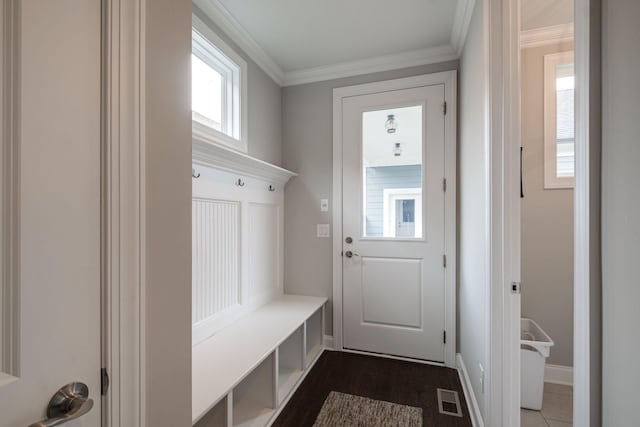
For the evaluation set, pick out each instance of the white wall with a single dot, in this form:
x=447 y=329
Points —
x=168 y=213
x=546 y=221
x=307 y=149
x=472 y=207
x=621 y=211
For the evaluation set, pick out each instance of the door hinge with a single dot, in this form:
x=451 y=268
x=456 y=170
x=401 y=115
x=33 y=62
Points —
x=444 y=261
x=444 y=108
x=515 y=287
x=444 y=336
x=104 y=381
x=444 y=184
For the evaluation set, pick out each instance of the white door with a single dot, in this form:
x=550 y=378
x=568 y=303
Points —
x=394 y=223
x=57 y=313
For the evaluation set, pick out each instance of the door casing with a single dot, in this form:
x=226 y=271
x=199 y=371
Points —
x=449 y=80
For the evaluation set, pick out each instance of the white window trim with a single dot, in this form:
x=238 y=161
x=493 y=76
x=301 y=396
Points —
x=201 y=131
x=551 y=179
x=389 y=211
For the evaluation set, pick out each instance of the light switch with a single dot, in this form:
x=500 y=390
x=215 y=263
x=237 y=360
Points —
x=323 y=230
x=324 y=205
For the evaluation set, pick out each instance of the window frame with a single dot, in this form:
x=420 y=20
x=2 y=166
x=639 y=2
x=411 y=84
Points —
x=390 y=196
x=551 y=178
x=212 y=50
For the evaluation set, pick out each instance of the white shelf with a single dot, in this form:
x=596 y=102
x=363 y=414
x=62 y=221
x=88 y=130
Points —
x=221 y=363
x=218 y=416
x=314 y=336
x=287 y=379
x=251 y=414
x=230 y=160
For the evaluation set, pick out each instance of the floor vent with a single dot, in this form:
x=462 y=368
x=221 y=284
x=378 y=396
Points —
x=449 y=403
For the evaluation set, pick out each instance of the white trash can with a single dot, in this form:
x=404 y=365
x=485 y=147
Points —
x=535 y=346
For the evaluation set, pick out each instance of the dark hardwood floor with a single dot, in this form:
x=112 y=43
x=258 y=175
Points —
x=395 y=381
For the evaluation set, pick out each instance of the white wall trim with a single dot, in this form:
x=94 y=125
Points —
x=557 y=374
x=555 y=34
x=123 y=220
x=582 y=219
x=472 y=403
x=223 y=19
x=371 y=65
x=461 y=21
x=449 y=79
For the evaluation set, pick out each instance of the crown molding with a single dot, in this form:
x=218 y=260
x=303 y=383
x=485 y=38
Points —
x=371 y=65
x=227 y=23
x=547 y=35
x=461 y=22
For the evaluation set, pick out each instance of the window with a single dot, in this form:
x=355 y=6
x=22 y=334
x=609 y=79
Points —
x=218 y=90
x=559 y=120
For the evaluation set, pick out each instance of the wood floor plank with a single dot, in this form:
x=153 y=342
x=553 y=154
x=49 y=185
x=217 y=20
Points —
x=396 y=381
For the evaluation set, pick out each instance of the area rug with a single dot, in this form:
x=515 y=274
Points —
x=346 y=410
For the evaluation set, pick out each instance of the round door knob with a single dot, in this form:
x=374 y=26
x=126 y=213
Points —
x=350 y=254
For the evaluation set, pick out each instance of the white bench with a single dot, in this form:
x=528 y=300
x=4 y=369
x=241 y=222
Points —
x=244 y=374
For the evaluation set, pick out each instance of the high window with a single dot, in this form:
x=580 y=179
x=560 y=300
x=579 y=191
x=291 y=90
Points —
x=218 y=89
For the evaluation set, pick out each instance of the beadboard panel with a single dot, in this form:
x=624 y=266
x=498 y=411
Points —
x=237 y=246
x=216 y=257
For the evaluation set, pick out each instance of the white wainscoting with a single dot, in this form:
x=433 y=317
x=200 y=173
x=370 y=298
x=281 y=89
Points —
x=237 y=242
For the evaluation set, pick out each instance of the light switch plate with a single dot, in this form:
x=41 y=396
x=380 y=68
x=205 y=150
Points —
x=323 y=230
x=324 y=205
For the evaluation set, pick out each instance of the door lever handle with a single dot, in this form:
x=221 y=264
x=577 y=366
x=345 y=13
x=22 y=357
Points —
x=350 y=254
x=70 y=402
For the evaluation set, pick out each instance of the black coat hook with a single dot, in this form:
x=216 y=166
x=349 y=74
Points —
x=240 y=183
x=194 y=174
x=272 y=188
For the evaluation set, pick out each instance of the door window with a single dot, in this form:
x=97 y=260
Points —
x=392 y=172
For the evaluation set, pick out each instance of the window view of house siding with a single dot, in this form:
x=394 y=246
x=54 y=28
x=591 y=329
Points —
x=377 y=180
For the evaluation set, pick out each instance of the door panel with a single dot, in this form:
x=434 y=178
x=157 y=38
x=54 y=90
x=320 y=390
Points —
x=393 y=209
x=59 y=193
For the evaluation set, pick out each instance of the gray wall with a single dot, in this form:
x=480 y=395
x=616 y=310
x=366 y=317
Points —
x=472 y=208
x=547 y=221
x=621 y=211
x=168 y=213
x=545 y=13
x=265 y=104
x=379 y=178
x=307 y=149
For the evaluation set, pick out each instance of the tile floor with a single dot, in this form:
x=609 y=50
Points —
x=557 y=408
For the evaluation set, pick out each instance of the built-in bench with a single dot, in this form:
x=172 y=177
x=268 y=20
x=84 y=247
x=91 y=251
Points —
x=245 y=373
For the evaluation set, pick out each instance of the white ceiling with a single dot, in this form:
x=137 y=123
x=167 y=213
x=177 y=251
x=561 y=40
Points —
x=304 y=41
x=545 y=13
x=306 y=34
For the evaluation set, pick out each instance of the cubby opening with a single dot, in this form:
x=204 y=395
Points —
x=290 y=363
x=253 y=398
x=313 y=336
x=217 y=416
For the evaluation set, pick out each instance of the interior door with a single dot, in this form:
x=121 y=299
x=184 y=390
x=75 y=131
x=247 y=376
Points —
x=393 y=223
x=59 y=193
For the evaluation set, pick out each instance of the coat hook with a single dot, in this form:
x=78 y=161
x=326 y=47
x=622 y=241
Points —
x=240 y=183
x=272 y=188
x=194 y=174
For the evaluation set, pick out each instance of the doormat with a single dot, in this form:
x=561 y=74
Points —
x=346 y=410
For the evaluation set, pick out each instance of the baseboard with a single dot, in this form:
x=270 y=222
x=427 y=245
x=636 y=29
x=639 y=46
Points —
x=328 y=342
x=470 y=397
x=558 y=374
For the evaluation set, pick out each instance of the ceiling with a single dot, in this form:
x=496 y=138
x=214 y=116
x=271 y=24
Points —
x=545 y=13
x=310 y=33
x=309 y=40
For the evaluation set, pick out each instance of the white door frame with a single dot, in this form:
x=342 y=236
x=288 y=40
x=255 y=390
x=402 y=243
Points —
x=123 y=210
x=449 y=79
x=503 y=89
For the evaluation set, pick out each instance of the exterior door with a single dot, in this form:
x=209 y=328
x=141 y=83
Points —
x=56 y=317
x=394 y=223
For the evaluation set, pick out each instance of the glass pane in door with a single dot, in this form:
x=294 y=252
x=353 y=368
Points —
x=392 y=172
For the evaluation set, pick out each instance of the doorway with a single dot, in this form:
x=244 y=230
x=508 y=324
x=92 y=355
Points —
x=394 y=213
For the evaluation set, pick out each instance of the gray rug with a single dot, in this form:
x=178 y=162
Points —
x=346 y=410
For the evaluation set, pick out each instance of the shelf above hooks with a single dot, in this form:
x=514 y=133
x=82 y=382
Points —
x=229 y=160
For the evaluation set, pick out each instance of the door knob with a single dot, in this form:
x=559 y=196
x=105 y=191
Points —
x=350 y=254
x=70 y=402
x=348 y=239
